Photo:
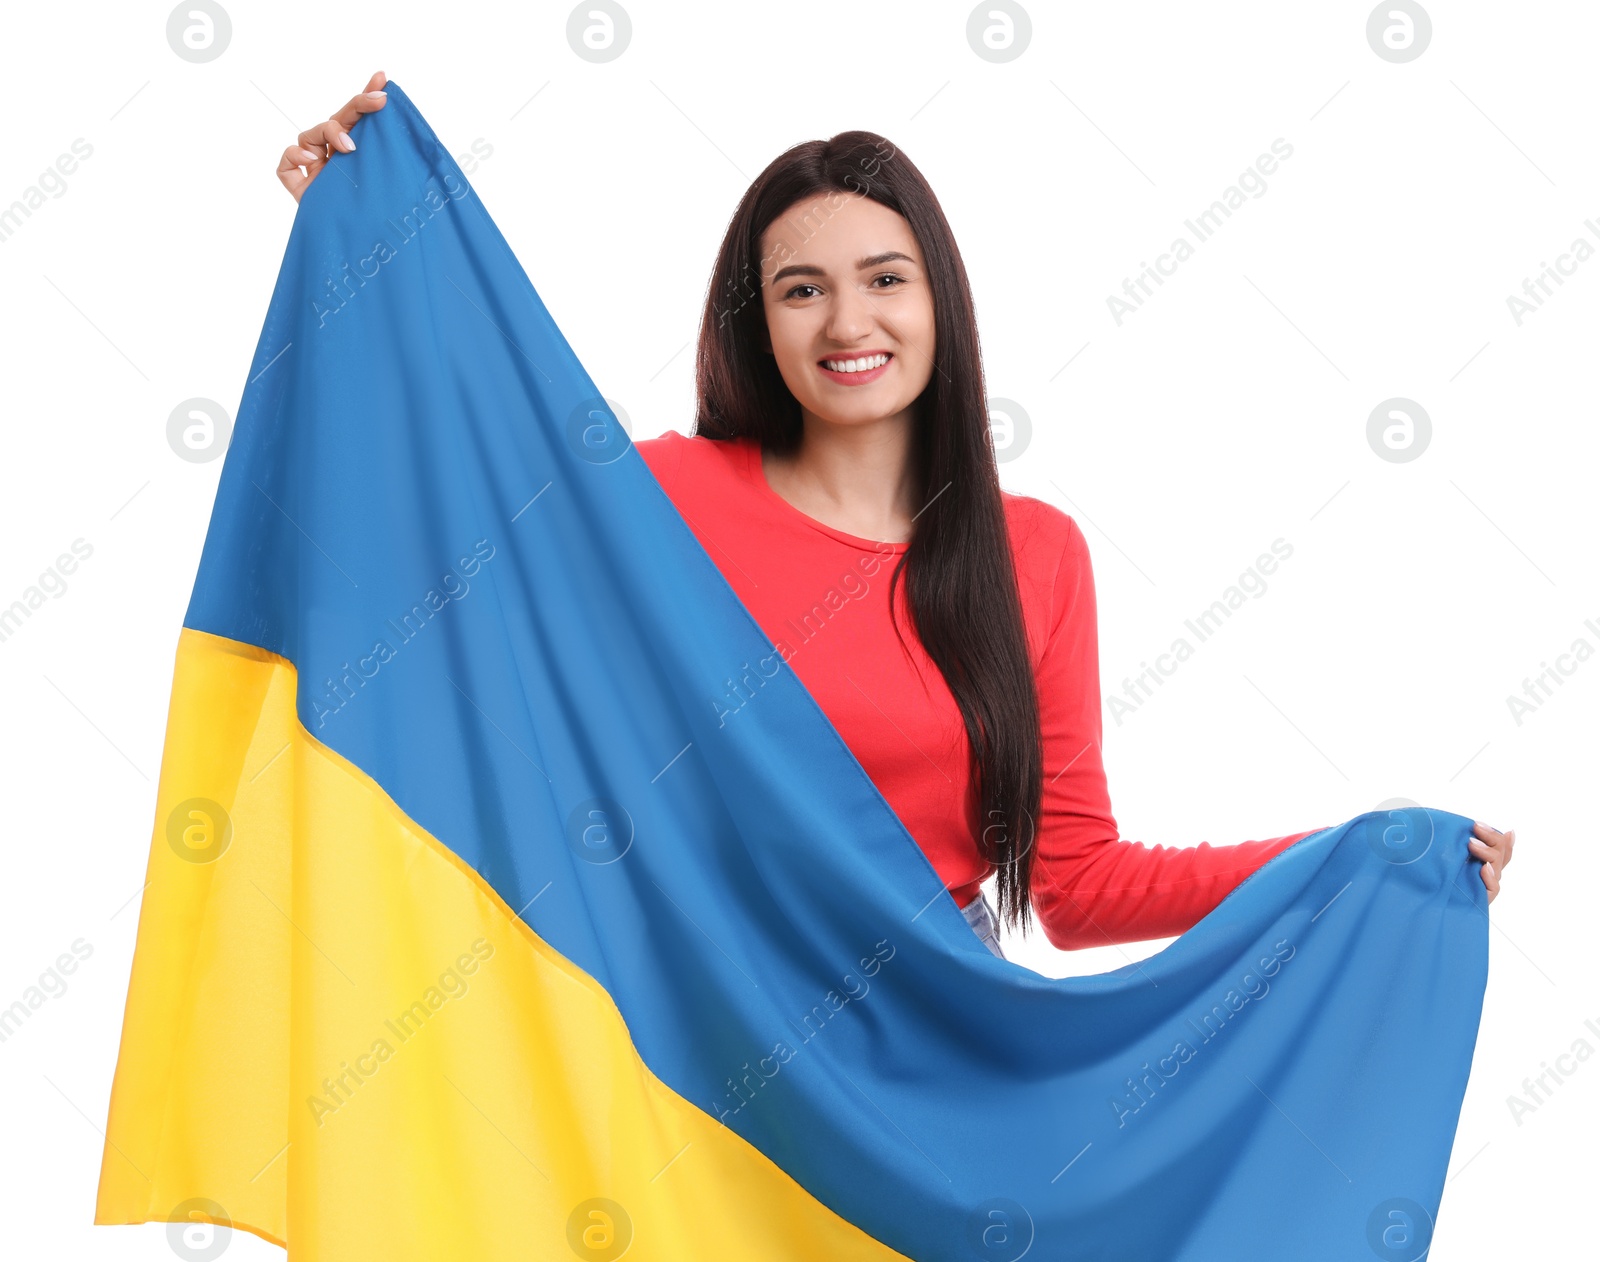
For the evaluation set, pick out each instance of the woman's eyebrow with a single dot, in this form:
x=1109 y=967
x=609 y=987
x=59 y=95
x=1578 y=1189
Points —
x=808 y=269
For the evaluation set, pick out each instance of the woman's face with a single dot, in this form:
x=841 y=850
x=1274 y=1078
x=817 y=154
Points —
x=842 y=280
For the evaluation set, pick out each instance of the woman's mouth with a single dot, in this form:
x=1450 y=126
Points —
x=856 y=370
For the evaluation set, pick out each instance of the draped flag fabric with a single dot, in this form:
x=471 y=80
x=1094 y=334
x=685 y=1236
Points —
x=476 y=929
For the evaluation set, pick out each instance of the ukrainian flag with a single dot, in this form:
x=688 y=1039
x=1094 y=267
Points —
x=471 y=933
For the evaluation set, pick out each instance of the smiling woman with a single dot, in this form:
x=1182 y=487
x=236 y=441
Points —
x=857 y=387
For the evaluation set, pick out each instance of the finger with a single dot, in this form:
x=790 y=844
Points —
x=314 y=140
x=329 y=134
x=289 y=174
x=339 y=123
x=1503 y=842
x=332 y=133
x=372 y=98
x=1491 y=880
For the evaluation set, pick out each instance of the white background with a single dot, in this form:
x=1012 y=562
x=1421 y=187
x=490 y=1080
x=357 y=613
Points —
x=1229 y=411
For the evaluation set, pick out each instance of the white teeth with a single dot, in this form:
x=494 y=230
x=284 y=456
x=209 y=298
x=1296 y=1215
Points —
x=855 y=365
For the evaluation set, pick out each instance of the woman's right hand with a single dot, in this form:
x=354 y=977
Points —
x=311 y=149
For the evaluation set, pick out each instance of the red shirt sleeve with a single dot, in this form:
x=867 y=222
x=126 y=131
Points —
x=1090 y=887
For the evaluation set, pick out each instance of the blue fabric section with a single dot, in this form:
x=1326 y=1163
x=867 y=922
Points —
x=498 y=614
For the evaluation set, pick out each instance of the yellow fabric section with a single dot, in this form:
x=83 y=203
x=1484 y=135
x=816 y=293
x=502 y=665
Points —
x=338 y=1033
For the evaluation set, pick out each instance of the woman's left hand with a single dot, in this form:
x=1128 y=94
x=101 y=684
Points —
x=1494 y=848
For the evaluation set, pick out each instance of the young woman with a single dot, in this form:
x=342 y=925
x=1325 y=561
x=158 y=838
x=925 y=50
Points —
x=842 y=477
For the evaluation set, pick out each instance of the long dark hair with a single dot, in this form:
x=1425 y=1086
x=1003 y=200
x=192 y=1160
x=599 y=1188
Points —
x=959 y=575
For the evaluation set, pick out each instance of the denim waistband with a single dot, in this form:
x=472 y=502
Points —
x=982 y=919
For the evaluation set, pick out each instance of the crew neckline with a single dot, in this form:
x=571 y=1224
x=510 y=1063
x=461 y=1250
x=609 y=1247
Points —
x=757 y=477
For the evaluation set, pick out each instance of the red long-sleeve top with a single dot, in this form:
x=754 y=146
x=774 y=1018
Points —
x=822 y=597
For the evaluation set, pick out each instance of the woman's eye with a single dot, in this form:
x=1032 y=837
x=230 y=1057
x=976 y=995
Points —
x=889 y=276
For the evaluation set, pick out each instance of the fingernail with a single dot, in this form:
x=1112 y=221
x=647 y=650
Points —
x=377 y=96
x=346 y=143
